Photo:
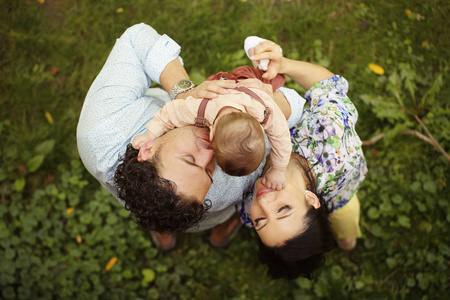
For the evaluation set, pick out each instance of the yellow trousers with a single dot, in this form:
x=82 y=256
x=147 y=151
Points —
x=345 y=221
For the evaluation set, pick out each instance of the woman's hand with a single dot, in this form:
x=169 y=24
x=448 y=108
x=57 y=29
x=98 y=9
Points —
x=305 y=74
x=209 y=89
x=272 y=51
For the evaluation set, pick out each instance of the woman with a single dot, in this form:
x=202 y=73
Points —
x=324 y=174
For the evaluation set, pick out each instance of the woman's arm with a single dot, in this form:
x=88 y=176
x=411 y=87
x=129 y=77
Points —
x=304 y=73
x=282 y=103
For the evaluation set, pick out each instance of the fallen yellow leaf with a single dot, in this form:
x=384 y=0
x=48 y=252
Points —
x=49 y=117
x=111 y=263
x=41 y=1
x=376 y=69
x=23 y=169
x=55 y=71
x=79 y=240
x=424 y=44
x=70 y=210
x=408 y=13
x=119 y=10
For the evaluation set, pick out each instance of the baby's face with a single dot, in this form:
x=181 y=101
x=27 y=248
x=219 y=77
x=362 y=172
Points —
x=211 y=132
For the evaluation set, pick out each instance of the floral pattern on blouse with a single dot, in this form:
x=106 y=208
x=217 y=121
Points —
x=326 y=136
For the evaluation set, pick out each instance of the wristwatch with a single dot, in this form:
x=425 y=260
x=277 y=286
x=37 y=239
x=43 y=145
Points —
x=181 y=86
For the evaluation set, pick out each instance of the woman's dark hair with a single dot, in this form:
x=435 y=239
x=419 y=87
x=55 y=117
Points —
x=303 y=254
x=151 y=199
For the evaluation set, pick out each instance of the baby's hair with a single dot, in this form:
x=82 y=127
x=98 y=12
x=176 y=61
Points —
x=238 y=144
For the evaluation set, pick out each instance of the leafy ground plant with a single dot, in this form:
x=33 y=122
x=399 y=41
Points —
x=62 y=236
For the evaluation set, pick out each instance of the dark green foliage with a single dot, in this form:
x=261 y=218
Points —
x=49 y=55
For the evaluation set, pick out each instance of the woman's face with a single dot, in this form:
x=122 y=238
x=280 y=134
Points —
x=278 y=215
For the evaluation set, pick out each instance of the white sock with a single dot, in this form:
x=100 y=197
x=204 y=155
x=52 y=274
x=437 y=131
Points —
x=251 y=42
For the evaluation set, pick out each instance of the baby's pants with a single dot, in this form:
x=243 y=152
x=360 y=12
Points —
x=245 y=72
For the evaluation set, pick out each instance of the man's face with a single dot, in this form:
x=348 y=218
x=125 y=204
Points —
x=187 y=159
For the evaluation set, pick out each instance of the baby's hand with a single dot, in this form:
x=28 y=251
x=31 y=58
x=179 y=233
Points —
x=141 y=139
x=274 y=179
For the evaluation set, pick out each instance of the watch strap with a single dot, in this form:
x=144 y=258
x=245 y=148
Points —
x=178 y=90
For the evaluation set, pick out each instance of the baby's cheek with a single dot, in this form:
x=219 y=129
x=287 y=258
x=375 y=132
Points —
x=211 y=133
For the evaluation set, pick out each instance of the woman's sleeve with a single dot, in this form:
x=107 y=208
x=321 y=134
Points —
x=243 y=208
x=331 y=112
x=329 y=94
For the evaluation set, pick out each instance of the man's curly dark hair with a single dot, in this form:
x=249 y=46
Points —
x=152 y=200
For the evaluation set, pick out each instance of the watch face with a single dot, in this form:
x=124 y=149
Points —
x=184 y=84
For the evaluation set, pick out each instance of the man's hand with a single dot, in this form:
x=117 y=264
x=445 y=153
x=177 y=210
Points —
x=209 y=89
x=257 y=84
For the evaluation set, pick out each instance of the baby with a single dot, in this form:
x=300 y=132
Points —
x=237 y=122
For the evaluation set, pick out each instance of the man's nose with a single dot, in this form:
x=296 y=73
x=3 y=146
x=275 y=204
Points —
x=205 y=157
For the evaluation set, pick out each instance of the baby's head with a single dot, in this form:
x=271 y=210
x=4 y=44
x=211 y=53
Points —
x=238 y=143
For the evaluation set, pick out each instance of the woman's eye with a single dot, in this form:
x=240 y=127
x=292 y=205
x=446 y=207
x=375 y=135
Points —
x=257 y=221
x=286 y=207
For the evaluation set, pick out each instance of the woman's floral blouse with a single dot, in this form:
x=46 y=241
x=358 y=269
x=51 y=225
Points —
x=326 y=136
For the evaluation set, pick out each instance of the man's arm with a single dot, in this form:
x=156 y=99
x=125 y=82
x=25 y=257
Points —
x=173 y=72
x=139 y=57
x=115 y=107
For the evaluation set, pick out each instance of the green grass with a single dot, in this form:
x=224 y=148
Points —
x=404 y=201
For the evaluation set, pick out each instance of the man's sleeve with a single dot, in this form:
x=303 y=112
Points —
x=115 y=108
x=138 y=58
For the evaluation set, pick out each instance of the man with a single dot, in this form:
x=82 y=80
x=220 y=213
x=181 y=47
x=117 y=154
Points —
x=165 y=193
